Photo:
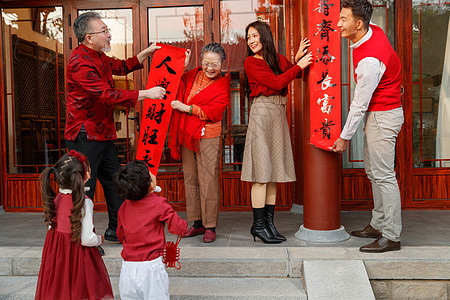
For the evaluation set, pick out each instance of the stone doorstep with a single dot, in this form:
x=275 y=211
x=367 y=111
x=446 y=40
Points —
x=236 y=288
x=337 y=280
x=24 y=288
x=410 y=263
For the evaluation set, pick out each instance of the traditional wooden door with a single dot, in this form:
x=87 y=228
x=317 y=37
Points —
x=233 y=17
x=122 y=19
x=35 y=132
x=356 y=188
x=193 y=25
x=181 y=24
x=421 y=39
x=33 y=112
x=427 y=161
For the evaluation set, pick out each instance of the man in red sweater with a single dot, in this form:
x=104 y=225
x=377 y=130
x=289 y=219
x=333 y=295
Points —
x=90 y=103
x=377 y=98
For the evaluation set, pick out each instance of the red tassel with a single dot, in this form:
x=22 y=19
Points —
x=171 y=255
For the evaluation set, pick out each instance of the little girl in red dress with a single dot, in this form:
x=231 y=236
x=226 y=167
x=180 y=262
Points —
x=71 y=266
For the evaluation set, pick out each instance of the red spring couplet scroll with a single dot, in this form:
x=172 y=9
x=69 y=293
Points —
x=165 y=71
x=325 y=73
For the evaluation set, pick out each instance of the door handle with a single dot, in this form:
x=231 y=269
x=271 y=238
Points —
x=136 y=119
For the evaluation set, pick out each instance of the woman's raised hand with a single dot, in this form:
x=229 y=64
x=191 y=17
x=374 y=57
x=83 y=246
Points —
x=305 y=61
x=303 y=49
x=188 y=57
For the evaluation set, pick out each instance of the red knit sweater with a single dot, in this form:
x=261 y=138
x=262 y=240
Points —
x=263 y=81
x=387 y=95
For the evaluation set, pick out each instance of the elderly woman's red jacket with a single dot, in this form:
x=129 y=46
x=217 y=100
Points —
x=186 y=129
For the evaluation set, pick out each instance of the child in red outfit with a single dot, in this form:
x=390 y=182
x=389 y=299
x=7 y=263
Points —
x=71 y=266
x=140 y=229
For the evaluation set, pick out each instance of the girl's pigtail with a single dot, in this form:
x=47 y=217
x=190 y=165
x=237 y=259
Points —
x=78 y=198
x=48 y=197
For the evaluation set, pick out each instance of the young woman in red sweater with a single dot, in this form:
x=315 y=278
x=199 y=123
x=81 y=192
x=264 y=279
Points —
x=268 y=155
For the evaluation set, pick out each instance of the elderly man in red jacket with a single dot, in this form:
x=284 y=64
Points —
x=90 y=103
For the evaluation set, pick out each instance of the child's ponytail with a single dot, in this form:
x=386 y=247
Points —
x=48 y=197
x=78 y=198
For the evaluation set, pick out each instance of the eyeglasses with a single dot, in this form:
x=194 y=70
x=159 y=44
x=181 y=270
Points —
x=212 y=65
x=104 y=31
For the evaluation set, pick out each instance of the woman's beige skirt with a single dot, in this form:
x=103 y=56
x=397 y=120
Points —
x=268 y=150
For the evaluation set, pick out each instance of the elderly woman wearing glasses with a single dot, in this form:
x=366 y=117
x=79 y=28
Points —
x=194 y=134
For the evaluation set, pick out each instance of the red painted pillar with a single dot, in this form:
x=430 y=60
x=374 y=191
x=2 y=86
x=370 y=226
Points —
x=318 y=171
x=321 y=176
x=321 y=188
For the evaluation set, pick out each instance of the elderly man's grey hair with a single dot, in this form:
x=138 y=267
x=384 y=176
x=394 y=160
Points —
x=214 y=48
x=81 y=25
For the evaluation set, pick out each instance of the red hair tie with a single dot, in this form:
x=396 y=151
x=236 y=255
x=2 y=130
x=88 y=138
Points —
x=81 y=158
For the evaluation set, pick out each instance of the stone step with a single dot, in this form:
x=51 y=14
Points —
x=184 y=288
x=237 y=288
x=422 y=263
x=195 y=262
x=337 y=280
x=17 y=287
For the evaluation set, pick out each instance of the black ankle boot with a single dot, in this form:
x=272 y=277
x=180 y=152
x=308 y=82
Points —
x=270 y=209
x=259 y=228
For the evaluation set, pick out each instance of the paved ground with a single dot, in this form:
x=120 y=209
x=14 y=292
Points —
x=420 y=228
x=226 y=268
